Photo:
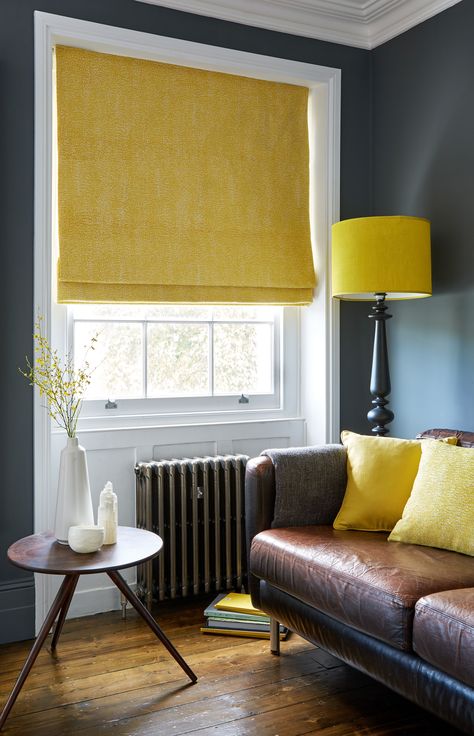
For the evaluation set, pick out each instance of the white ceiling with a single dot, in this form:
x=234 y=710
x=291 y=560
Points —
x=363 y=23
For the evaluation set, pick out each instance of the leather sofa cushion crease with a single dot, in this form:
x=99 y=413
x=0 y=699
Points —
x=356 y=577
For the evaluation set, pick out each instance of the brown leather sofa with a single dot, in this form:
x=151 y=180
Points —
x=402 y=613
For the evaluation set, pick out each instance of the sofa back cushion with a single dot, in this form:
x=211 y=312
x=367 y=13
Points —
x=463 y=439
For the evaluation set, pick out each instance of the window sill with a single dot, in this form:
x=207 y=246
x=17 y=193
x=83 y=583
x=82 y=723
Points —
x=154 y=421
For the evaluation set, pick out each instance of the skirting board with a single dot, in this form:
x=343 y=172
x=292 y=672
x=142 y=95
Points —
x=96 y=600
x=17 y=610
x=17 y=607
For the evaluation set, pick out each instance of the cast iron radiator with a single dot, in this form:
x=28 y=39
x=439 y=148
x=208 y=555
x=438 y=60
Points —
x=197 y=507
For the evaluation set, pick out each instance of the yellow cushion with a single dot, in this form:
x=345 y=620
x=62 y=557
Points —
x=380 y=476
x=440 y=510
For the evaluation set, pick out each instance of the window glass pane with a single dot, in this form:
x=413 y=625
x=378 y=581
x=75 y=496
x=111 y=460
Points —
x=117 y=359
x=178 y=360
x=242 y=358
x=140 y=311
x=244 y=313
x=177 y=311
x=109 y=311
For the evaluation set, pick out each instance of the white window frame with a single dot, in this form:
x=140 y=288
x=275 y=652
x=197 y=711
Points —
x=316 y=383
x=95 y=413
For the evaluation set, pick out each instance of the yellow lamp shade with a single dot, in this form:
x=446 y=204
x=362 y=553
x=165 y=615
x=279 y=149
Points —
x=385 y=255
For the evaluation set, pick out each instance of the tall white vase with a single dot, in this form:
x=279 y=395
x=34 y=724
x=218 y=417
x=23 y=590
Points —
x=74 y=502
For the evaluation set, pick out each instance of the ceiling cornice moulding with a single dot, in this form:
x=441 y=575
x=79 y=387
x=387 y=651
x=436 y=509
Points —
x=361 y=23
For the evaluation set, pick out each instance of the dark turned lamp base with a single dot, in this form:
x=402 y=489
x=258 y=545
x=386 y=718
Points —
x=380 y=376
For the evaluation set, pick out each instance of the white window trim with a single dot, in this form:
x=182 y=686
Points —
x=318 y=399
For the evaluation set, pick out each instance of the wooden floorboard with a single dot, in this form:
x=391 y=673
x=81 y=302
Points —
x=111 y=676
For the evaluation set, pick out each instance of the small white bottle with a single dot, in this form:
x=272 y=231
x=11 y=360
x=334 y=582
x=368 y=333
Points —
x=107 y=516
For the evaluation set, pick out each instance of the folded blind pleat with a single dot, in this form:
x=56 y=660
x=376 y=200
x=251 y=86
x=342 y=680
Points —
x=180 y=185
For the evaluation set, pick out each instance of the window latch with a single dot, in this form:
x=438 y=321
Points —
x=244 y=399
x=111 y=404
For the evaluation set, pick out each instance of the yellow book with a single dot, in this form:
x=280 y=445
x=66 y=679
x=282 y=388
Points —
x=237 y=632
x=239 y=603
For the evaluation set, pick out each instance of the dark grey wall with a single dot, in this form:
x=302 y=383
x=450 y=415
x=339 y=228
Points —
x=16 y=217
x=423 y=154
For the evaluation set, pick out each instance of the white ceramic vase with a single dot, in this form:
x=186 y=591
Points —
x=74 y=502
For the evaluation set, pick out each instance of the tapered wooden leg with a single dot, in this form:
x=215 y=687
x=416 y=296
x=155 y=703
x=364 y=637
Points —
x=274 y=637
x=146 y=615
x=63 y=612
x=62 y=596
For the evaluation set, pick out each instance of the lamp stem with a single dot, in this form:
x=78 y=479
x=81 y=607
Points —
x=380 y=376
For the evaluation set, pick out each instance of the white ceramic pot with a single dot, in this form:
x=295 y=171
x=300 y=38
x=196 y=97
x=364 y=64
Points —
x=74 y=502
x=86 y=539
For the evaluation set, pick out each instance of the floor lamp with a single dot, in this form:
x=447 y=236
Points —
x=381 y=258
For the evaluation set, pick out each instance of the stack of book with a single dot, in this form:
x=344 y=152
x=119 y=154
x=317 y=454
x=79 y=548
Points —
x=234 y=615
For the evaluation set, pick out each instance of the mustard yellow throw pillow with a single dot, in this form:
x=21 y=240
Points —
x=380 y=476
x=440 y=510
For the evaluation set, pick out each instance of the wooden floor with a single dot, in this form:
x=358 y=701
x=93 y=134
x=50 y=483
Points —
x=112 y=677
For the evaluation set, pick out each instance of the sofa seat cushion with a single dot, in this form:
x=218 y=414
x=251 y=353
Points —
x=443 y=632
x=358 y=577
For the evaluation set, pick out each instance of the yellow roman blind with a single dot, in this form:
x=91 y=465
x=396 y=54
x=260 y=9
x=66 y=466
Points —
x=180 y=185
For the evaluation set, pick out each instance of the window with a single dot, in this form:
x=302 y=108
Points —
x=154 y=359
x=159 y=358
x=309 y=380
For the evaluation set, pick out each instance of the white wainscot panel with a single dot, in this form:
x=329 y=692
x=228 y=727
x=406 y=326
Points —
x=116 y=465
x=252 y=448
x=289 y=433
x=186 y=449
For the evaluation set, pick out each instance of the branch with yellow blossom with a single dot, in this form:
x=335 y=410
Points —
x=58 y=381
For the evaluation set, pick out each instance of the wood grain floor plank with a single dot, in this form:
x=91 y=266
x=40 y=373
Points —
x=337 y=714
x=184 y=718
x=152 y=699
x=158 y=670
x=111 y=677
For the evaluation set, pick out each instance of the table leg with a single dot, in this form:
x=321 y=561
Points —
x=138 y=605
x=63 y=612
x=68 y=583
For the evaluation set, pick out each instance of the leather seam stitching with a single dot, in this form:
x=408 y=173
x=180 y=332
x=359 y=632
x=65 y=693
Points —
x=430 y=610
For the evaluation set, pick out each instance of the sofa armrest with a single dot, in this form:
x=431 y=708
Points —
x=259 y=496
x=259 y=508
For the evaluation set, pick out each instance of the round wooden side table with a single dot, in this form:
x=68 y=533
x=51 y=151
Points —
x=42 y=553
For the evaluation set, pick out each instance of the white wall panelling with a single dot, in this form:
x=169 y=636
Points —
x=95 y=593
